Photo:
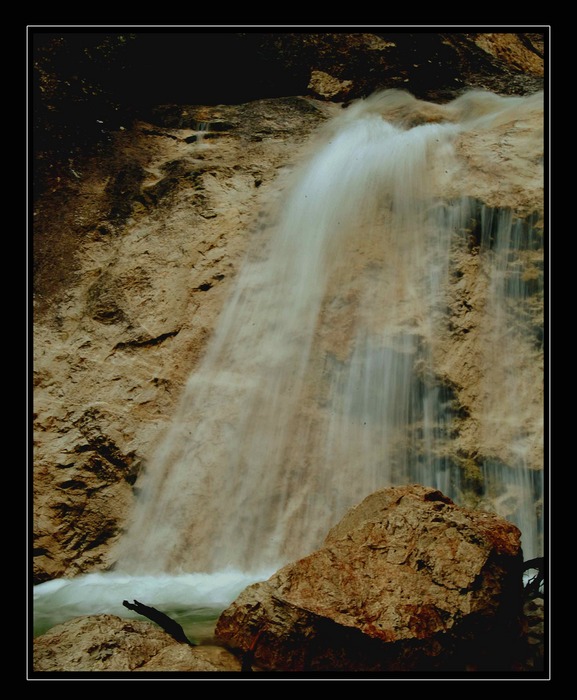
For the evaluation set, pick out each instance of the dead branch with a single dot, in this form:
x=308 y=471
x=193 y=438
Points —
x=167 y=623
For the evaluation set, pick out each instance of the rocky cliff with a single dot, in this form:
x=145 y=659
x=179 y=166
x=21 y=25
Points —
x=132 y=272
x=143 y=211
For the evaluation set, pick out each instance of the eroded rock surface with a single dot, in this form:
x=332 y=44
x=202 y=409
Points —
x=136 y=247
x=406 y=581
x=106 y=643
x=131 y=275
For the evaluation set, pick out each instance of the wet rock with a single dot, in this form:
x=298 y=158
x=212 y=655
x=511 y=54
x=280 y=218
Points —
x=407 y=581
x=130 y=242
x=121 y=309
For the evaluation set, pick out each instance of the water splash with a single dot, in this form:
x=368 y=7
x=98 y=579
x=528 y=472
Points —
x=194 y=600
x=327 y=374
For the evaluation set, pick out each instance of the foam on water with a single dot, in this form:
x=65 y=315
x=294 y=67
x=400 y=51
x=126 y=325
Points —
x=195 y=600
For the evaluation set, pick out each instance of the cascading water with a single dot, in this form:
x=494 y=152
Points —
x=320 y=385
x=329 y=375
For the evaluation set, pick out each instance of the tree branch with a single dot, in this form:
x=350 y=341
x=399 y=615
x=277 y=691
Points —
x=161 y=619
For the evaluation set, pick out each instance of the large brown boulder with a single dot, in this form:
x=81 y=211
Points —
x=407 y=581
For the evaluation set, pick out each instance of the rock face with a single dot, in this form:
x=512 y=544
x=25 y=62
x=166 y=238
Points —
x=137 y=244
x=430 y=65
x=109 y=643
x=406 y=581
x=130 y=278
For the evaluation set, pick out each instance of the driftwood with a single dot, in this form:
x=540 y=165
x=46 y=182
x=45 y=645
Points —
x=167 y=623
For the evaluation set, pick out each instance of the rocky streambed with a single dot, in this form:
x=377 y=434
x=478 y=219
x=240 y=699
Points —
x=407 y=583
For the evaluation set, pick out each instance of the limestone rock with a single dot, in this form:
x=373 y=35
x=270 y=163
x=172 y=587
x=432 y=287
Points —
x=523 y=52
x=98 y=643
x=180 y=658
x=406 y=581
x=108 y=643
x=326 y=86
x=426 y=63
x=137 y=244
x=131 y=274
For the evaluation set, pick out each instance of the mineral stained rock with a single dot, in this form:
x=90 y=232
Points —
x=407 y=581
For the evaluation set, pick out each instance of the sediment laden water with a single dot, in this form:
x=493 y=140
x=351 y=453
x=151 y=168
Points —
x=327 y=378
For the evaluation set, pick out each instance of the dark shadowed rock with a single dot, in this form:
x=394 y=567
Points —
x=407 y=581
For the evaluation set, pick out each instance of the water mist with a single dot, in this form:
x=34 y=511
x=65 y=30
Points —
x=385 y=328
x=320 y=384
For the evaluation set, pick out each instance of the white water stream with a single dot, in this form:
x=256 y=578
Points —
x=322 y=382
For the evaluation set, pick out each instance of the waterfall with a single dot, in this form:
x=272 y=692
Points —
x=334 y=369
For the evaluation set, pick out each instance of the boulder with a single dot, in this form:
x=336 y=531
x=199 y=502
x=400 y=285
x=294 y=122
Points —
x=407 y=581
x=108 y=643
